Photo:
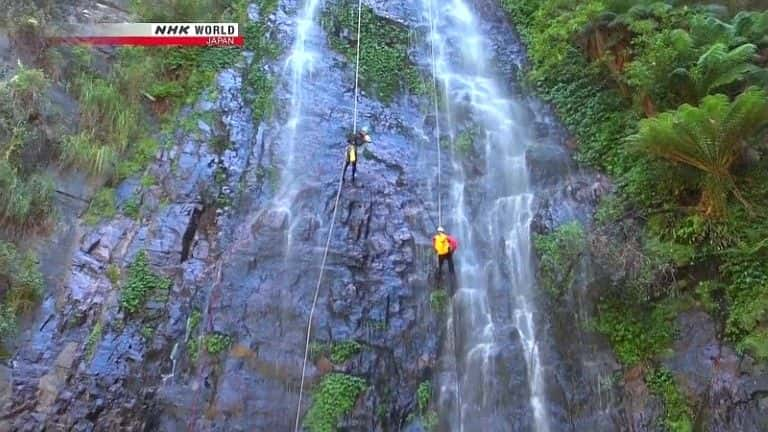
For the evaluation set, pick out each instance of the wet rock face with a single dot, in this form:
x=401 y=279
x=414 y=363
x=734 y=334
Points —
x=729 y=392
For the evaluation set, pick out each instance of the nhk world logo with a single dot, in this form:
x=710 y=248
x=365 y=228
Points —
x=194 y=29
x=154 y=34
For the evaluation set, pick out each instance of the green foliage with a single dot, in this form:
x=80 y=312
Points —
x=7 y=322
x=385 y=68
x=559 y=253
x=93 y=340
x=424 y=396
x=262 y=86
x=337 y=352
x=24 y=286
x=25 y=191
x=193 y=322
x=113 y=274
x=140 y=283
x=438 y=300
x=24 y=201
x=83 y=151
x=677 y=412
x=636 y=334
x=216 y=343
x=708 y=138
x=343 y=351
x=718 y=68
x=103 y=206
x=132 y=207
x=147 y=181
x=333 y=398
x=610 y=210
x=193 y=349
x=193 y=342
x=465 y=142
x=147 y=332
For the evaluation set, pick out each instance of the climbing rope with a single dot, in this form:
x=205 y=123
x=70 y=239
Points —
x=330 y=230
x=432 y=34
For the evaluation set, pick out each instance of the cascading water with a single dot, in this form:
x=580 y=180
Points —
x=490 y=213
x=299 y=64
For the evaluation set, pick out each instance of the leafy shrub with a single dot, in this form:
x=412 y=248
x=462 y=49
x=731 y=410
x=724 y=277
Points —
x=217 y=343
x=438 y=300
x=677 y=412
x=103 y=206
x=343 y=351
x=559 y=253
x=25 y=286
x=424 y=395
x=132 y=207
x=93 y=340
x=636 y=334
x=385 y=68
x=140 y=282
x=113 y=274
x=333 y=398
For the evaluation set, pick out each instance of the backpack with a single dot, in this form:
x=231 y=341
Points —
x=454 y=244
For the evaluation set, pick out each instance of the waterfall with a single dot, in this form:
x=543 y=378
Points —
x=299 y=64
x=489 y=211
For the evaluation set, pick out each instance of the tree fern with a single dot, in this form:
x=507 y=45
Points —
x=717 y=68
x=710 y=138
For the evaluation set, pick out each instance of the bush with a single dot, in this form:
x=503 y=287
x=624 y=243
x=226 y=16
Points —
x=217 y=343
x=24 y=286
x=677 y=412
x=343 y=351
x=333 y=398
x=385 y=68
x=438 y=300
x=93 y=340
x=103 y=206
x=636 y=334
x=559 y=253
x=140 y=282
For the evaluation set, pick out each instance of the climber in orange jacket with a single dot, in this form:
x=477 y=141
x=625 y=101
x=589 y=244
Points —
x=444 y=245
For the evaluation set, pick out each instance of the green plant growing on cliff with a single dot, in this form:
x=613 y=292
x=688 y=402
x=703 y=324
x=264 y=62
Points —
x=636 y=333
x=438 y=300
x=343 y=351
x=465 y=142
x=25 y=282
x=708 y=138
x=217 y=343
x=103 y=206
x=24 y=290
x=559 y=253
x=423 y=399
x=333 y=398
x=93 y=340
x=140 y=283
x=132 y=207
x=677 y=412
x=385 y=68
x=113 y=274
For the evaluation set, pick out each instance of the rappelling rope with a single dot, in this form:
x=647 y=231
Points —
x=330 y=230
x=432 y=36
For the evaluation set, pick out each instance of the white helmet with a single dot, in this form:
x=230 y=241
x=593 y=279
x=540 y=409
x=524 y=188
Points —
x=440 y=229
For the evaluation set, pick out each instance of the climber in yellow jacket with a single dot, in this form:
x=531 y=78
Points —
x=353 y=142
x=444 y=245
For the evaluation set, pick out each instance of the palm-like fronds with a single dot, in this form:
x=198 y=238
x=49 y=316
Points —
x=709 y=138
x=717 y=68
